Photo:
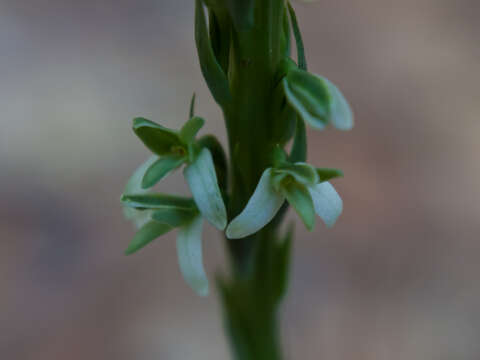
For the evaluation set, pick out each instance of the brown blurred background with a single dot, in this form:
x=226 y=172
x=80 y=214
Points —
x=396 y=278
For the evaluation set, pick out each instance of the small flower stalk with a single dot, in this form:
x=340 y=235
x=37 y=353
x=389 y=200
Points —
x=267 y=100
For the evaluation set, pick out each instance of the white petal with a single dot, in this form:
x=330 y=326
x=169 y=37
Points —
x=189 y=251
x=326 y=201
x=341 y=115
x=260 y=209
x=134 y=186
x=202 y=180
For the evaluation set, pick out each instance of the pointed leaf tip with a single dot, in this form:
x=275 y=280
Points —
x=147 y=233
x=260 y=210
x=202 y=180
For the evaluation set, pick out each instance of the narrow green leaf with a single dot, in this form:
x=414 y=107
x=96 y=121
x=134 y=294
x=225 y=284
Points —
x=299 y=147
x=134 y=186
x=189 y=251
x=192 y=107
x=202 y=180
x=161 y=168
x=147 y=233
x=212 y=71
x=158 y=201
x=328 y=204
x=309 y=96
x=241 y=13
x=286 y=34
x=302 y=172
x=191 y=128
x=299 y=197
x=157 y=138
x=326 y=174
x=174 y=217
x=341 y=115
x=260 y=210
x=302 y=62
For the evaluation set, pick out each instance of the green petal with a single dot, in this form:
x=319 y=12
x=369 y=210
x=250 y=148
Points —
x=341 y=115
x=147 y=233
x=134 y=186
x=328 y=204
x=157 y=138
x=302 y=172
x=326 y=174
x=309 y=96
x=202 y=180
x=191 y=128
x=174 y=217
x=158 y=201
x=299 y=197
x=189 y=251
x=260 y=210
x=161 y=168
x=214 y=76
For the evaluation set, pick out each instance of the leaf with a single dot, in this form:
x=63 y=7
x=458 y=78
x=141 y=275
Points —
x=327 y=203
x=147 y=233
x=241 y=13
x=326 y=174
x=192 y=107
x=134 y=186
x=189 y=251
x=158 y=201
x=157 y=138
x=212 y=71
x=260 y=210
x=174 y=217
x=302 y=62
x=298 y=196
x=286 y=34
x=160 y=168
x=341 y=115
x=299 y=147
x=302 y=172
x=191 y=128
x=202 y=180
x=309 y=96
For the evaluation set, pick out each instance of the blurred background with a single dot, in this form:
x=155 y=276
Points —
x=396 y=278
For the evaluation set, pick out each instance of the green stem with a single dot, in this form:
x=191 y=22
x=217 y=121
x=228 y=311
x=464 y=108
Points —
x=250 y=298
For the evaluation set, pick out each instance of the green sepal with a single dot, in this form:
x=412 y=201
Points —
x=158 y=201
x=341 y=115
x=302 y=62
x=299 y=197
x=299 y=146
x=214 y=76
x=325 y=174
x=303 y=173
x=309 y=96
x=159 y=139
x=147 y=233
x=161 y=168
x=191 y=128
x=241 y=13
x=174 y=217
